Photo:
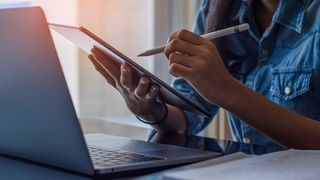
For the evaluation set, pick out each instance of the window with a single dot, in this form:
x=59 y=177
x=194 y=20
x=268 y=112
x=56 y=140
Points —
x=125 y=25
x=130 y=26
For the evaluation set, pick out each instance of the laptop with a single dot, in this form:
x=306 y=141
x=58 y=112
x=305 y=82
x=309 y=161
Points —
x=37 y=117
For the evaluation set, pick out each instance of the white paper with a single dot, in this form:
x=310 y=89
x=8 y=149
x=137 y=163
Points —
x=291 y=164
x=219 y=160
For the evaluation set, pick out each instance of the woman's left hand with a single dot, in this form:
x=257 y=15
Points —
x=198 y=61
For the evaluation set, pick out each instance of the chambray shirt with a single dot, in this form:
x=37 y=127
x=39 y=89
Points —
x=282 y=64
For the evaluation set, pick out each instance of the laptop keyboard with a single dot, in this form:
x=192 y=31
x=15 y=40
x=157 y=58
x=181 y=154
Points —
x=103 y=157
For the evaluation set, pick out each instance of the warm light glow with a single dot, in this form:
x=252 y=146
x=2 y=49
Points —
x=125 y=24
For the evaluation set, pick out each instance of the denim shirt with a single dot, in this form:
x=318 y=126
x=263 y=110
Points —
x=282 y=64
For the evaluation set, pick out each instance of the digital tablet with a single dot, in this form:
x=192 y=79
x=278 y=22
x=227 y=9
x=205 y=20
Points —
x=86 y=40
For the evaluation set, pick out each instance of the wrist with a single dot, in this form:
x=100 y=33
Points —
x=158 y=114
x=233 y=94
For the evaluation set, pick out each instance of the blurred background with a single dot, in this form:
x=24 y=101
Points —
x=132 y=26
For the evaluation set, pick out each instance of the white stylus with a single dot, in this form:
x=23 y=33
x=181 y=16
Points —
x=209 y=36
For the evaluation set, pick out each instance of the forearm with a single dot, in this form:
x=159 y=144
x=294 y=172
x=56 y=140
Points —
x=284 y=126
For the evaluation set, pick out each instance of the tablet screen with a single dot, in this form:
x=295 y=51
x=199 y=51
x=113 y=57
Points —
x=86 y=40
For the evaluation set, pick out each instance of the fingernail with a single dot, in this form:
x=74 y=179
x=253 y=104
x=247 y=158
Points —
x=154 y=89
x=143 y=81
x=124 y=70
x=95 y=57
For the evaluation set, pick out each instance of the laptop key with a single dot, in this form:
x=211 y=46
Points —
x=102 y=157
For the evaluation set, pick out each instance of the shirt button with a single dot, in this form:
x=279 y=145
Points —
x=265 y=52
x=247 y=140
x=287 y=90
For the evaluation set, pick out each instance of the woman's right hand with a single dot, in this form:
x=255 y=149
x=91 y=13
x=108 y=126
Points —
x=139 y=93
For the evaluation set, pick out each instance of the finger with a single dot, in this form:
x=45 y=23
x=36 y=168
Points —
x=107 y=63
x=177 y=45
x=153 y=92
x=142 y=88
x=102 y=71
x=179 y=70
x=182 y=59
x=126 y=77
x=187 y=36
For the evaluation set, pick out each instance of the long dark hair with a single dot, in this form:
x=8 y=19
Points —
x=217 y=16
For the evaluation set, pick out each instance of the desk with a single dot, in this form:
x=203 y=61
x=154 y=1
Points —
x=11 y=169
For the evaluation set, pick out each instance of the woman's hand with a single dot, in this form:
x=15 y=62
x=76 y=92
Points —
x=197 y=60
x=138 y=92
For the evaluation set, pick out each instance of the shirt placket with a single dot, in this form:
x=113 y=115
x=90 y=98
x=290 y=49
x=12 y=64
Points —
x=249 y=135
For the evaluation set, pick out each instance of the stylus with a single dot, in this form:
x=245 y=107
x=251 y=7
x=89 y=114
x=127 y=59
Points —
x=209 y=36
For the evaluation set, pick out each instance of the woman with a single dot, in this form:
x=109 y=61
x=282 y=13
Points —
x=267 y=78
